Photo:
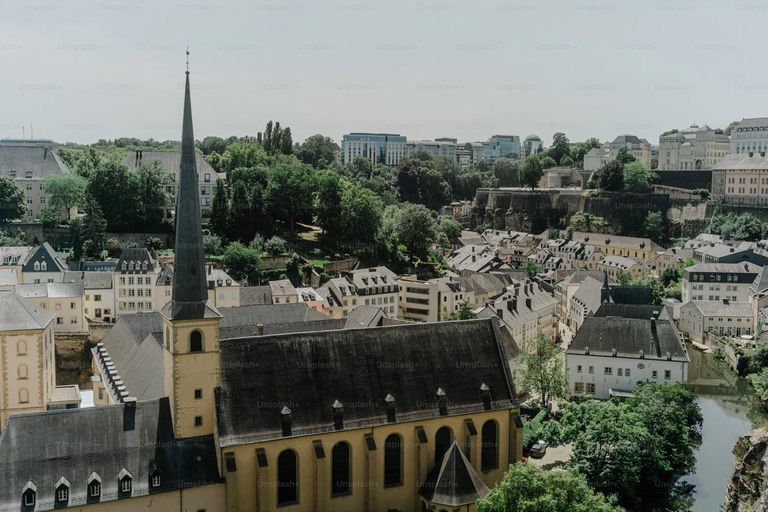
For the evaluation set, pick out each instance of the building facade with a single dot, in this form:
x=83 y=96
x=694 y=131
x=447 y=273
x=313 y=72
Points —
x=693 y=148
x=750 y=136
x=502 y=146
x=435 y=149
x=718 y=281
x=381 y=148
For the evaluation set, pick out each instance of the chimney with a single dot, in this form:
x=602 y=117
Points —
x=500 y=312
x=260 y=329
x=528 y=303
x=473 y=258
x=45 y=153
x=391 y=408
x=442 y=401
x=129 y=414
x=338 y=415
x=285 y=414
x=731 y=250
x=485 y=394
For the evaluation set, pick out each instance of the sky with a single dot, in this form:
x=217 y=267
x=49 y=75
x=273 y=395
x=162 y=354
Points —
x=80 y=71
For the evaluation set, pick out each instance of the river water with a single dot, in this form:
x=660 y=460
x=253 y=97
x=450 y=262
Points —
x=729 y=408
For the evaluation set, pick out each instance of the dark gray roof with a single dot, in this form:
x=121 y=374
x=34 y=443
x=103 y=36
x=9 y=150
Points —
x=358 y=367
x=365 y=316
x=630 y=330
x=268 y=314
x=255 y=295
x=44 y=253
x=17 y=314
x=453 y=481
x=91 y=280
x=73 y=443
x=170 y=161
x=40 y=160
x=136 y=255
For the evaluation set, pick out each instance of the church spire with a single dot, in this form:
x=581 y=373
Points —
x=190 y=286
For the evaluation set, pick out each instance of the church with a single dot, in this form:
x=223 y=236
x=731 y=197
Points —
x=261 y=408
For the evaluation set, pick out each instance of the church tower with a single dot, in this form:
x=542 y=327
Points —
x=190 y=322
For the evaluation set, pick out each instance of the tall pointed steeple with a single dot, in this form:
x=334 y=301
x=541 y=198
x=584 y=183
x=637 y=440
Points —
x=190 y=286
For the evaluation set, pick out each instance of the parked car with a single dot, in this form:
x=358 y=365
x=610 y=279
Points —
x=538 y=449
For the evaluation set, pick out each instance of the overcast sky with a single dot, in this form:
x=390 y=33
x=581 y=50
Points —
x=81 y=71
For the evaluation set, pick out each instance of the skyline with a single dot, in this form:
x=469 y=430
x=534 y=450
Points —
x=425 y=70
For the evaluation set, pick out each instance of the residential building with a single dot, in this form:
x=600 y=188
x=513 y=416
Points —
x=436 y=299
x=135 y=279
x=43 y=266
x=311 y=298
x=501 y=146
x=14 y=258
x=64 y=300
x=99 y=303
x=532 y=145
x=28 y=163
x=283 y=292
x=741 y=179
x=170 y=162
x=724 y=317
x=750 y=136
x=637 y=147
x=470 y=153
x=8 y=279
x=727 y=253
x=591 y=294
x=565 y=288
x=616 y=265
x=29 y=367
x=671 y=259
x=717 y=281
x=614 y=245
x=223 y=291
x=379 y=148
x=339 y=297
x=376 y=286
x=622 y=345
x=433 y=148
x=693 y=148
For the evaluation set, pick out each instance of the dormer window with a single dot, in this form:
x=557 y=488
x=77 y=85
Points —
x=29 y=494
x=37 y=265
x=125 y=266
x=155 y=478
x=44 y=266
x=130 y=266
x=144 y=266
x=62 y=490
x=125 y=481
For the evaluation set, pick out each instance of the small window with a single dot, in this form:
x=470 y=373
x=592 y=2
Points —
x=667 y=374
x=125 y=485
x=156 y=480
x=198 y=394
x=198 y=421
x=62 y=493
x=94 y=490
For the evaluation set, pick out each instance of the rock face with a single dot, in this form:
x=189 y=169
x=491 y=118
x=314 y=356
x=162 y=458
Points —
x=748 y=489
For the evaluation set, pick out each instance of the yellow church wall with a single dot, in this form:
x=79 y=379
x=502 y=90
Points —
x=209 y=498
x=255 y=489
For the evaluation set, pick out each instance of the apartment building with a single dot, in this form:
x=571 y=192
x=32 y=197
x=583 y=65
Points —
x=99 y=304
x=43 y=266
x=64 y=300
x=741 y=179
x=433 y=300
x=28 y=163
x=750 y=136
x=170 y=162
x=616 y=265
x=376 y=286
x=693 y=148
x=614 y=245
x=339 y=297
x=718 y=281
x=283 y=292
x=723 y=317
x=502 y=146
x=434 y=148
x=383 y=148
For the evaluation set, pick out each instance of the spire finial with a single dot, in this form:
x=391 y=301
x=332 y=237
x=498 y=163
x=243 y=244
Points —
x=187 y=59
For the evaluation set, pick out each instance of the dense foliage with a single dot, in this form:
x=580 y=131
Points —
x=542 y=370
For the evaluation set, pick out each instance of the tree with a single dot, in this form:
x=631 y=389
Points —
x=451 y=228
x=730 y=127
x=259 y=216
x=219 y=210
x=212 y=144
x=566 y=161
x=153 y=198
x=241 y=262
x=547 y=162
x=318 y=151
x=212 y=244
x=76 y=238
x=581 y=149
x=760 y=383
x=654 y=226
x=610 y=176
x=543 y=371
x=328 y=204
x=360 y=217
x=530 y=172
x=12 y=200
x=276 y=246
x=433 y=190
x=532 y=269
x=463 y=313
x=624 y=156
x=291 y=192
x=360 y=167
x=505 y=170
x=637 y=179
x=48 y=217
x=245 y=153
x=416 y=229
x=240 y=226
x=670 y=132
x=736 y=226
x=65 y=191
x=408 y=181
x=121 y=211
x=561 y=146
x=94 y=227
x=527 y=488
x=286 y=142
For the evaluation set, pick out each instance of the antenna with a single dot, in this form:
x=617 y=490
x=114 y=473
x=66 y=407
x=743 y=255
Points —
x=31 y=131
x=187 y=58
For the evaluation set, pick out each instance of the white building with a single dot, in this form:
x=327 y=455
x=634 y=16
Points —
x=64 y=300
x=717 y=281
x=622 y=345
x=694 y=148
x=750 y=136
x=99 y=305
x=638 y=148
x=720 y=317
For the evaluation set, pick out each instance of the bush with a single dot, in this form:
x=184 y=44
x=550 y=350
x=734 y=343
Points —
x=532 y=429
x=154 y=243
x=212 y=244
x=275 y=246
x=49 y=218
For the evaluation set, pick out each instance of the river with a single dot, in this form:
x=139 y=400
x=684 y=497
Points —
x=729 y=408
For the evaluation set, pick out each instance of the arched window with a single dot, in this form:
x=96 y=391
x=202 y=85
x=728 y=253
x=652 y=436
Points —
x=196 y=341
x=23 y=396
x=23 y=371
x=443 y=440
x=21 y=348
x=393 y=461
x=489 y=455
x=340 y=472
x=287 y=478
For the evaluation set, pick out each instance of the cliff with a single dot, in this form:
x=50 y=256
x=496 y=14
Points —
x=747 y=490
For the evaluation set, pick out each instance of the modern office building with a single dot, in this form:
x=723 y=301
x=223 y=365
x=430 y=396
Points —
x=384 y=148
x=498 y=146
x=434 y=148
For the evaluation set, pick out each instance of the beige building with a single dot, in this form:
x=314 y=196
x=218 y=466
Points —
x=741 y=179
x=750 y=136
x=28 y=162
x=13 y=258
x=99 y=304
x=615 y=245
x=283 y=292
x=720 y=317
x=637 y=147
x=376 y=286
x=615 y=265
x=64 y=300
x=694 y=148
x=28 y=354
x=339 y=297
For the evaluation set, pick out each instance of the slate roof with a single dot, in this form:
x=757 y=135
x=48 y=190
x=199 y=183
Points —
x=358 y=367
x=18 y=314
x=255 y=295
x=8 y=277
x=40 y=160
x=73 y=443
x=453 y=481
x=20 y=254
x=720 y=309
x=365 y=316
x=741 y=161
x=626 y=242
x=629 y=330
x=760 y=286
x=729 y=268
x=51 y=290
x=137 y=255
x=282 y=287
x=91 y=280
x=170 y=161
